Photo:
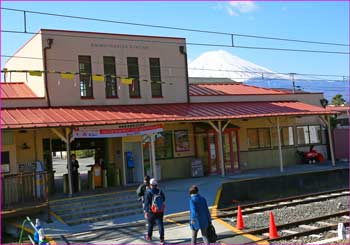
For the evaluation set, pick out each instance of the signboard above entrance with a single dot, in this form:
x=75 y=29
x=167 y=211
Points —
x=107 y=132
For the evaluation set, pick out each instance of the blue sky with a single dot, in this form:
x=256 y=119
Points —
x=318 y=21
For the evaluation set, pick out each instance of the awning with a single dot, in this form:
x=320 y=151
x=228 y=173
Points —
x=12 y=118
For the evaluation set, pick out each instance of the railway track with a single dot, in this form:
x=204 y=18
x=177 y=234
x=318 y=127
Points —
x=304 y=227
x=282 y=202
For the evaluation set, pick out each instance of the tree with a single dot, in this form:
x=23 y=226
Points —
x=338 y=100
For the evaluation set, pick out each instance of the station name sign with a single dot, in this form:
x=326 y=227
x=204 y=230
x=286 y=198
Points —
x=113 y=45
x=100 y=132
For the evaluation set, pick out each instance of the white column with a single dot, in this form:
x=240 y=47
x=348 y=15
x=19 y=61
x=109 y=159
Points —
x=279 y=143
x=69 y=163
x=330 y=140
x=153 y=157
x=221 y=150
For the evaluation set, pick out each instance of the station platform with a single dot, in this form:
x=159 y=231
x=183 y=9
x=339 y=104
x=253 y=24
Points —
x=130 y=229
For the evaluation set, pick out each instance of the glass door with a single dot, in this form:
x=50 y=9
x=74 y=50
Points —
x=213 y=158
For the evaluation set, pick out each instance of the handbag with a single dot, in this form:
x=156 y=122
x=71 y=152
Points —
x=212 y=237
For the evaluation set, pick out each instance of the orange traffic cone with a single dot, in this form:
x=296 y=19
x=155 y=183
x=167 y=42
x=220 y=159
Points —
x=240 y=223
x=272 y=229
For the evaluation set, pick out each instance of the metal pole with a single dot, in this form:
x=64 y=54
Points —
x=221 y=150
x=279 y=143
x=330 y=140
x=153 y=158
x=69 y=164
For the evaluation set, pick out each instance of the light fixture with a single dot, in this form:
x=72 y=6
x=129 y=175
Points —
x=324 y=102
x=25 y=146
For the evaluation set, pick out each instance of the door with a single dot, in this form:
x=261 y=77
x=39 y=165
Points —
x=133 y=162
x=231 y=150
x=213 y=156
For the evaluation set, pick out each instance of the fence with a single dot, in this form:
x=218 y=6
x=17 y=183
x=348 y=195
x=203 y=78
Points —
x=24 y=188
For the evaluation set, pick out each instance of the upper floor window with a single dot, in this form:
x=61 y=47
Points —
x=85 y=77
x=156 y=85
x=110 y=75
x=133 y=72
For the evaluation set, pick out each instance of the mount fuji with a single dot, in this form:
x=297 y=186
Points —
x=222 y=64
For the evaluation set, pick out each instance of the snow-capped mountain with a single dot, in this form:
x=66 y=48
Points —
x=223 y=64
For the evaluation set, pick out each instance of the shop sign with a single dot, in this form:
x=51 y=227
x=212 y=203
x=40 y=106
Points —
x=99 y=132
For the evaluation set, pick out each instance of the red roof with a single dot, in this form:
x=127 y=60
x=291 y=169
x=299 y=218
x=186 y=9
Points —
x=16 y=91
x=103 y=115
x=230 y=89
x=338 y=108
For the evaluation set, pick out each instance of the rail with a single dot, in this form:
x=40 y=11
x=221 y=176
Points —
x=24 y=188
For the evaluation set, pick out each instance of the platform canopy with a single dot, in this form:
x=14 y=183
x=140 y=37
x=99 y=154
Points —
x=12 y=118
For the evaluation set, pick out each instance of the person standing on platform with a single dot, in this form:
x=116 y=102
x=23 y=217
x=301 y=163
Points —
x=75 y=172
x=154 y=205
x=200 y=218
x=141 y=190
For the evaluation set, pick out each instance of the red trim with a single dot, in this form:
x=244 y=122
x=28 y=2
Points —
x=23 y=98
x=238 y=149
x=135 y=97
x=112 y=97
x=157 y=97
x=87 y=98
x=109 y=34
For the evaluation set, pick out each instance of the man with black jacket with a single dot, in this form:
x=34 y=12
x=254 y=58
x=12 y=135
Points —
x=140 y=192
x=154 y=210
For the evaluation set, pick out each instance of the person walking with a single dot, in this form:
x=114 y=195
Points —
x=154 y=204
x=200 y=218
x=141 y=190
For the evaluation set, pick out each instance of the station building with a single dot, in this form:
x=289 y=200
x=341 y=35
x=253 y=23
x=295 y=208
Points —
x=130 y=98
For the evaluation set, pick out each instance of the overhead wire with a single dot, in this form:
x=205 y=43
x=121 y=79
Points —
x=178 y=28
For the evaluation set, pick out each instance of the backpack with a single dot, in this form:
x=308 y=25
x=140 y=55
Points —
x=157 y=205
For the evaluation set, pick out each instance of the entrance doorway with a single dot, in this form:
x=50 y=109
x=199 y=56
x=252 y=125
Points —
x=133 y=162
x=208 y=150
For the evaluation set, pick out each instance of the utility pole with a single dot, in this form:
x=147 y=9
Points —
x=291 y=75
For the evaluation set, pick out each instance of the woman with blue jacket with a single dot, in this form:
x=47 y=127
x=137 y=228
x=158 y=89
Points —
x=199 y=215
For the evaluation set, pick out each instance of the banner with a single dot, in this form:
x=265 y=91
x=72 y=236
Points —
x=100 y=132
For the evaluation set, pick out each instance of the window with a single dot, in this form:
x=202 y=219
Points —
x=5 y=161
x=253 y=140
x=309 y=135
x=110 y=75
x=163 y=146
x=287 y=136
x=259 y=137
x=85 y=79
x=133 y=72
x=156 y=85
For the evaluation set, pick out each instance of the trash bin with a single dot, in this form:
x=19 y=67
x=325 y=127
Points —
x=97 y=175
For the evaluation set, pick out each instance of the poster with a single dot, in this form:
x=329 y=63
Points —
x=182 y=143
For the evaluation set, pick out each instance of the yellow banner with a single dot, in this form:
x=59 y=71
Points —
x=126 y=80
x=69 y=76
x=35 y=73
x=98 y=78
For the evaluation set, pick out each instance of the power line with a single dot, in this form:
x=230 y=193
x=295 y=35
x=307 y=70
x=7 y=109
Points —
x=178 y=28
x=201 y=69
x=193 y=44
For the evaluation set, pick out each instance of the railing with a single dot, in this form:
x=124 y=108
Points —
x=24 y=188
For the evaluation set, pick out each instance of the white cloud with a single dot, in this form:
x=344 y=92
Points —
x=234 y=8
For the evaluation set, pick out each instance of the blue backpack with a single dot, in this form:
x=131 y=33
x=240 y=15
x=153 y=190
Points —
x=157 y=205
